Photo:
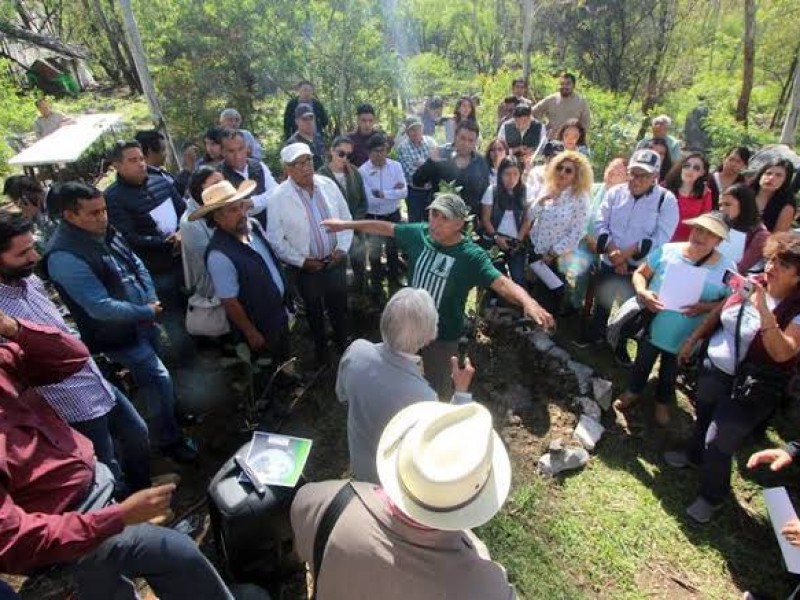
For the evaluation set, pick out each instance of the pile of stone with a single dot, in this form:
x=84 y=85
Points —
x=595 y=398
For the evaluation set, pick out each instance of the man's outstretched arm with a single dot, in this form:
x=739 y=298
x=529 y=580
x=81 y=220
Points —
x=383 y=228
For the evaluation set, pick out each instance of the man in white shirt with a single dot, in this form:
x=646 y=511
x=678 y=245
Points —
x=238 y=167
x=317 y=258
x=385 y=187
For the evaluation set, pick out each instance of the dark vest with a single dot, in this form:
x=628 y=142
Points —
x=254 y=172
x=99 y=336
x=258 y=294
x=531 y=138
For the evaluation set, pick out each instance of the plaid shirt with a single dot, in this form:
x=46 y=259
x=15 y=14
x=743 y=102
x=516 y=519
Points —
x=411 y=156
x=86 y=394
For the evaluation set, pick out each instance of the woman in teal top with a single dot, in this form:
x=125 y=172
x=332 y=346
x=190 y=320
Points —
x=670 y=328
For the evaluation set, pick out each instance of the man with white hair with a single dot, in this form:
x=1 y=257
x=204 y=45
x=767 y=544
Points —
x=377 y=381
x=231 y=119
x=658 y=129
x=316 y=257
x=443 y=470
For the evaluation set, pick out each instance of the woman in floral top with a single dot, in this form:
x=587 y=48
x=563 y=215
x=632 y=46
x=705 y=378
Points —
x=558 y=215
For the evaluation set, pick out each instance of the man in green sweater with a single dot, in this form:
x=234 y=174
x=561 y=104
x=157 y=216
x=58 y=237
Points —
x=446 y=263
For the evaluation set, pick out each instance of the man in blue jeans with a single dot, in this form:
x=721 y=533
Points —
x=113 y=301
x=56 y=498
x=85 y=400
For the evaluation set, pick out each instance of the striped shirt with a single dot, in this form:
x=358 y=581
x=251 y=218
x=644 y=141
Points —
x=322 y=242
x=86 y=394
x=412 y=156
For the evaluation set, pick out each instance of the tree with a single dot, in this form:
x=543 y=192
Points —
x=743 y=105
x=793 y=114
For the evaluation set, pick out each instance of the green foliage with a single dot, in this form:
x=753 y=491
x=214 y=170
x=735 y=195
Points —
x=16 y=115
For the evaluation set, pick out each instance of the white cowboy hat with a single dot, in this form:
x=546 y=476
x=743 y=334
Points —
x=220 y=194
x=443 y=465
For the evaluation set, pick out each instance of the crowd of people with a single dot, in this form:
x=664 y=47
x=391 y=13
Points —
x=410 y=226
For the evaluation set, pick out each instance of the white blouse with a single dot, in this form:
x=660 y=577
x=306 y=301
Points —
x=558 y=224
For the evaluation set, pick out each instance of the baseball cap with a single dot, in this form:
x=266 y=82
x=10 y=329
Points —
x=292 y=152
x=450 y=205
x=646 y=160
x=303 y=110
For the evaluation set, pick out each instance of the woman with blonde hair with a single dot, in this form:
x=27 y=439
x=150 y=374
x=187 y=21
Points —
x=558 y=215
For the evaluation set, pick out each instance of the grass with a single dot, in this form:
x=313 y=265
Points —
x=617 y=529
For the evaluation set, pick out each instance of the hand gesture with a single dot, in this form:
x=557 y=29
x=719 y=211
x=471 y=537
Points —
x=461 y=377
x=651 y=301
x=146 y=504
x=501 y=242
x=334 y=225
x=776 y=458
x=791 y=531
x=685 y=353
x=540 y=316
x=692 y=310
x=256 y=341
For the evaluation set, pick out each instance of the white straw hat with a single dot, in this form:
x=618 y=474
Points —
x=443 y=465
x=222 y=193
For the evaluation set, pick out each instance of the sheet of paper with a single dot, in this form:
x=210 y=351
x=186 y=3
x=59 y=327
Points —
x=780 y=512
x=733 y=247
x=546 y=275
x=681 y=286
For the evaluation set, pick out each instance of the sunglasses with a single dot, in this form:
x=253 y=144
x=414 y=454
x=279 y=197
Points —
x=565 y=169
x=693 y=167
x=342 y=154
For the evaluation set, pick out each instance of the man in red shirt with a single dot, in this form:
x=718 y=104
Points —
x=55 y=498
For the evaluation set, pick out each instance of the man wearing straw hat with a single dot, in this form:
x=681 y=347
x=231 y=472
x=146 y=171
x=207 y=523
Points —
x=246 y=273
x=443 y=470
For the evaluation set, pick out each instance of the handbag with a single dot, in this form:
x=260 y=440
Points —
x=753 y=381
x=206 y=317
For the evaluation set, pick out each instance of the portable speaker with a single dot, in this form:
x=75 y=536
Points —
x=253 y=534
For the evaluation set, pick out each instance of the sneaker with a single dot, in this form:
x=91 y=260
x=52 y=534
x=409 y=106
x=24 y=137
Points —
x=166 y=479
x=702 y=511
x=182 y=451
x=584 y=341
x=678 y=460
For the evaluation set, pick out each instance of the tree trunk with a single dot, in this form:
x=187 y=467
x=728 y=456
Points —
x=743 y=106
x=121 y=66
x=43 y=41
x=527 y=40
x=128 y=65
x=793 y=115
x=785 y=91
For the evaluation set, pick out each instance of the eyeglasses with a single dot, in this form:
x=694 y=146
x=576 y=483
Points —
x=342 y=154
x=565 y=169
x=693 y=167
x=639 y=175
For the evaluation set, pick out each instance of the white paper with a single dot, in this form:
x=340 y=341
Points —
x=681 y=286
x=781 y=512
x=733 y=247
x=546 y=275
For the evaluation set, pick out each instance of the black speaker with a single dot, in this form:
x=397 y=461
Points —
x=253 y=533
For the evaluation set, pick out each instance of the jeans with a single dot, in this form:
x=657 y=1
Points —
x=646 y=355
x=154 y=381
x=609 y=286
x=124 y=428
x=325 y=291
x=170 y=561
x=416 y=202
x=722 y=426
x=375 y=245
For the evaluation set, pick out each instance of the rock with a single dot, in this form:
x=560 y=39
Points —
x=567 y=459
x=583 y=373
x=589 y=407
x=559 y=354
x=601 y=390
x=540 y=340
x=588 y=432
